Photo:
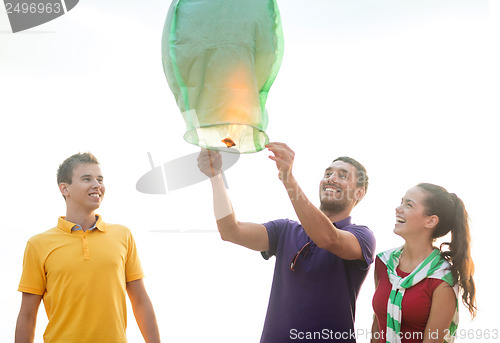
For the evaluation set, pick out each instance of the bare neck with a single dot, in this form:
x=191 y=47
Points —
x=414 y=253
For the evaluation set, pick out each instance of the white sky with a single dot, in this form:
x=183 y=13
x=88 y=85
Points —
x=408 y=88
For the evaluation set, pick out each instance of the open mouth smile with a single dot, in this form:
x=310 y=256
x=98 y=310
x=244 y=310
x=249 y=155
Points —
x=400 y=220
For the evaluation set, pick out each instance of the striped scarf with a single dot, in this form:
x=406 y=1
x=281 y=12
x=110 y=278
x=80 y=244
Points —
x=435 y=267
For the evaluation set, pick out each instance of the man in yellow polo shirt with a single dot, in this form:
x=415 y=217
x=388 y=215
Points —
x=83 y=268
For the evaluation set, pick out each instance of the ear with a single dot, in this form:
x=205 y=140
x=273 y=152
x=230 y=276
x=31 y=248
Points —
x=431 y=222
x=63 y=188
x=359 y=193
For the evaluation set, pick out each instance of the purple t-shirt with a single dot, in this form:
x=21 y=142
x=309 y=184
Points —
x=317 y=301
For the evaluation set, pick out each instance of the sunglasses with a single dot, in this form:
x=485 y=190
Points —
x=295 y=260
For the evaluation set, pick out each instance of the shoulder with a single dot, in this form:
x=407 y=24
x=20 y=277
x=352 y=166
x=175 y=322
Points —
x=438 y=286
x=44 y=236
x=441 y=287
x=364 y=236
x=379 y=264
x=380 y=268
x=361 y=230
x=359 y=238
x=118 y=231
x=41 y=244
x=443 y=296
x=385 y=256
x=282 y=230
x=281 y=224
x=116 y=228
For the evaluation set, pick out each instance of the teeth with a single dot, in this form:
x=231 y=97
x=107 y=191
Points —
x=94 y=195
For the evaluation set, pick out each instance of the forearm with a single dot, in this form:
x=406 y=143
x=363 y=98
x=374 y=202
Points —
x=223 y=211
x=375 y=331
x=26 y=321
x=25 y=329
x=315 y=223
x=222 y=204
x=146 y=320
x=435 y=336
x=143 y=311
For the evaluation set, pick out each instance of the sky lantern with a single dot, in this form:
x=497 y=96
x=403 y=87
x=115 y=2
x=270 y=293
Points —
x=221 y=58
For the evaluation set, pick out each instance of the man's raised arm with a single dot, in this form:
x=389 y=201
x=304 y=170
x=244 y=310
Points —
x=251 y=235
x=316 y=224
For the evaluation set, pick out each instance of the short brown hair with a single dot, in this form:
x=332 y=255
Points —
x=362 y=177
x=65 y=170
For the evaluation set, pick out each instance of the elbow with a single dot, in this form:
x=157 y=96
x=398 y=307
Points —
x=227 y=233
x=227 y=227
x=224 y=236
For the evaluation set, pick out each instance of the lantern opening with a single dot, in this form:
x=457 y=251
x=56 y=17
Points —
x=237 y=138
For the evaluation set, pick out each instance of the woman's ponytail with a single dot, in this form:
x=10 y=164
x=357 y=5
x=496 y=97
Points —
x=453 y=217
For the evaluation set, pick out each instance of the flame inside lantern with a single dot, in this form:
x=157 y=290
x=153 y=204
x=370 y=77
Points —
x=229 y=142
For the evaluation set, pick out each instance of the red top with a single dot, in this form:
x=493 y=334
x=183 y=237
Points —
x=416 y=305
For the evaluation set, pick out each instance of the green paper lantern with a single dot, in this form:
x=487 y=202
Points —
x=221 y=58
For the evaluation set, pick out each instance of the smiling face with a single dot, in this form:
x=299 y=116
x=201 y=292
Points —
x=411 y=215
x=337 y=189
x=86 y=190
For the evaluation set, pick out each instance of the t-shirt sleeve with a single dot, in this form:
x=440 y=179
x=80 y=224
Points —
x=380 y=268
x=366 y=241
x=33 y=278
x=133 y=268
x=274 y=229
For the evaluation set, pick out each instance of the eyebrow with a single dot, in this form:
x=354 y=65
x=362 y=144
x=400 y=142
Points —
x=408 y=200
x=339 y=169
x=88 y=175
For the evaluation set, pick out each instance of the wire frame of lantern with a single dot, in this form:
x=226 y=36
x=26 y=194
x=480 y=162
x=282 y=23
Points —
x=220 y=58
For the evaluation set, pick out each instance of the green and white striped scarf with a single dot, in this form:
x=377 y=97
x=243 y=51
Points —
x=435 y=267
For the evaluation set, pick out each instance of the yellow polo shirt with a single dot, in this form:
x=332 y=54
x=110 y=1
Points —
x=82 y=277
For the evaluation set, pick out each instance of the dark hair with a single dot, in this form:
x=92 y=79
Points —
x=362 y=177
x=453 y=217
x=65 y=170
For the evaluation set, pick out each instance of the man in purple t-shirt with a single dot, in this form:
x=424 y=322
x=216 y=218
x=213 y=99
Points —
x=321 y=262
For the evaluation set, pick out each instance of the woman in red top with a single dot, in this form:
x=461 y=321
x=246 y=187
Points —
x=427 y=308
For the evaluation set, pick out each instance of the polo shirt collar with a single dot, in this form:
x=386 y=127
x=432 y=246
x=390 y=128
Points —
x=343 y=223
x=66 y=225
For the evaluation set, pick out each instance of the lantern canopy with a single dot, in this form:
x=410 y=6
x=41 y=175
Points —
x=221 y=58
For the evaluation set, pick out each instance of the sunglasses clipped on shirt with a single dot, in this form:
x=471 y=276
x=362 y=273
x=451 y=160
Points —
x=296 y=258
